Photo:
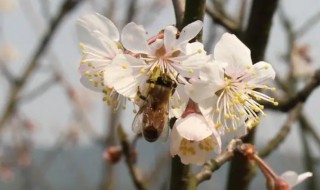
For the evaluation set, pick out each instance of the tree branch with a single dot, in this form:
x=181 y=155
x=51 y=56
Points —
x=255 y=37
x=179 y=6
x=274 y=143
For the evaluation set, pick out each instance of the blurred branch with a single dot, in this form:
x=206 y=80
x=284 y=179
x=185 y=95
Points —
x=179 y=6
x=275 y=142
x=131 y=12
x=308 y=159
x=194 y=10
x=41 y=89
x=300 y=97
x=255 y=37
x=6 y=72
x=214 y=164
x=221 y=19
x=307 y=25
x=133 y=170
x=9 y=110
x=308 y=126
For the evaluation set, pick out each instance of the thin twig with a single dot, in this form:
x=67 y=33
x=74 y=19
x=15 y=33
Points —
x=214 y=164
x=133 y=170
x=300 y=97
x=274 y=143
x=311 y=22
x=223 y=20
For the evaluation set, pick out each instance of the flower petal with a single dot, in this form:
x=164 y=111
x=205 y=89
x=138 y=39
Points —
x=175 y=142
x=193 y=127
x=303 y=177
x=189 y=32
x=231 y=50
x=263 y=73
x=97 y=22
x=121 y=77
x=200 y=90
x=133 y=38
x=169 y=37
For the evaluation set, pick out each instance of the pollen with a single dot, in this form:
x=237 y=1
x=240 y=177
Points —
x=124 y=66
x=81 y=45
x=190 y=71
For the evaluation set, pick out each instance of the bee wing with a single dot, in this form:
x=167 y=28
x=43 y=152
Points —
x=137 y=122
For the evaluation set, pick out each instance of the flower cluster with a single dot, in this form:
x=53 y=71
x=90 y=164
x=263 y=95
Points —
x=168 y=75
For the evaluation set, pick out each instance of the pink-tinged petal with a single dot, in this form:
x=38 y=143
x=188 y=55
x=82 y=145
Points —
x=193 y=127
x=121 y=77
x=169 y=37
x=189 y=32
x=263 y=72
x=133 y=38
x=97 y=22
x=231 y=50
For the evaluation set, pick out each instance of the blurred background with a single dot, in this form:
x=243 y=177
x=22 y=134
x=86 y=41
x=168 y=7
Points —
x=56 y=134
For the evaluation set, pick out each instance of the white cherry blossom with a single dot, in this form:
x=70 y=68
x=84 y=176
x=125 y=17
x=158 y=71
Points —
x=293 y=179
x=194 y=139
x=162 y=55
x=228 y=88
x=100 y=44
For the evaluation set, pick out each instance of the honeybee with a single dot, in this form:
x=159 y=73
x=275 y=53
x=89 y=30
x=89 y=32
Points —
x=152 y=118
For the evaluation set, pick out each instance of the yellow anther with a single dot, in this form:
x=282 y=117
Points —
x=123 y=107
x=83 y=52
x=199 y=50
x=124 y=66
x=275 y=103
x=81 y=45
x=90 y=64
x=152 y=85
x=248 y=67
x=142 y=70
x=266 y=67
x=218 y=125
x=190 y=71
x=265 y=86
x=87 y=73
x=134 y=111
x=218 y=110
x=273 y=89
x=96 y=84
